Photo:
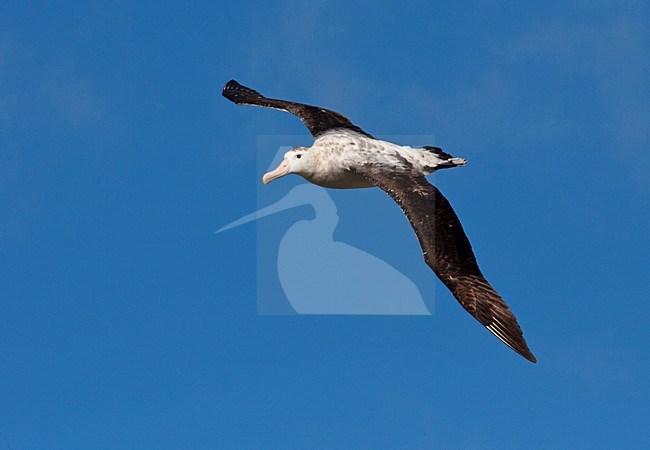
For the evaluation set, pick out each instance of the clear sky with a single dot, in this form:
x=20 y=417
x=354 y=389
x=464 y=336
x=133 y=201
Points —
x=126 y=322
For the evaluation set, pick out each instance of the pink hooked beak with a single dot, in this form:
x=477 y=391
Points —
x=281 y=171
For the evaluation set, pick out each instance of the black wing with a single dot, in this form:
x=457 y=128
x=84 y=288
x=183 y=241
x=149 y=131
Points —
x=318 y=120
x=448 y=251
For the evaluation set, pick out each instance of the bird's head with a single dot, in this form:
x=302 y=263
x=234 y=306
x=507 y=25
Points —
x=297 y=160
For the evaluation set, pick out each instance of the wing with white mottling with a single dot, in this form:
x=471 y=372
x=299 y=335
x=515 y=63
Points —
x=447 y=250
x=317 y=120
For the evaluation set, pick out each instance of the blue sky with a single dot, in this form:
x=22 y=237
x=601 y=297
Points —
x=126 y=322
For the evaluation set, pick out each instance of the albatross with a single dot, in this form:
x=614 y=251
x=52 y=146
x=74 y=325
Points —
x=343 y=156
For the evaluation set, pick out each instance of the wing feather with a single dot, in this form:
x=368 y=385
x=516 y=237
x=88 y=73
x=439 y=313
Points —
x=448 y=251
x=317 y=120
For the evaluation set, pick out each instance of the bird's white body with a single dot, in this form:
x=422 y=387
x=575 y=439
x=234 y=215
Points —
x=327 y=161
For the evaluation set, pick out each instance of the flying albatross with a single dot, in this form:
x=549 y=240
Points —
x=344 y=156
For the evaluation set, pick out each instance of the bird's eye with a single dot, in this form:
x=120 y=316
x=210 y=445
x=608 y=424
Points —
x=298 y=156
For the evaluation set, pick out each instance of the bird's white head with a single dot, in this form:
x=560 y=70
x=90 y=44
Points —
x=297 y=160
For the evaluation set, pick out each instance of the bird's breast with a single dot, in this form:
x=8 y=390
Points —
x=339 y=179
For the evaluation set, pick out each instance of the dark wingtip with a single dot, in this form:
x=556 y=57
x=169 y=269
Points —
x=230 y=86
x=523 y=350
x=530 y=357
x=240 y=94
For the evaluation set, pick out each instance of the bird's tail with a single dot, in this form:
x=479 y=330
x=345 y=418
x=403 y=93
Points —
x=441 y=159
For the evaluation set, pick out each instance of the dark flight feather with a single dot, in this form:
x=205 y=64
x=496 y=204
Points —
x=448 y=251
x=317 y=120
